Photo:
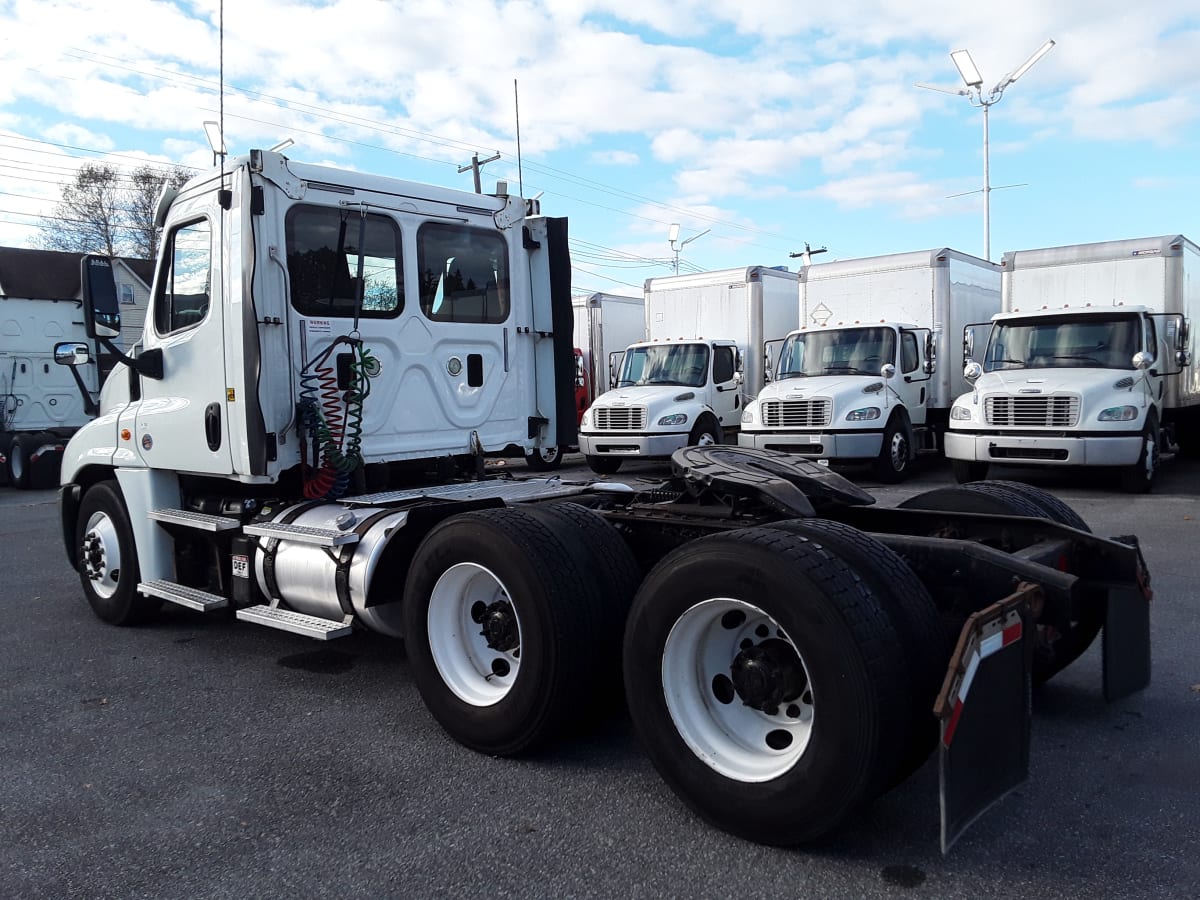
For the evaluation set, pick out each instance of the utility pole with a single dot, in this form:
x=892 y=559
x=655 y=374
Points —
x=807 y=255
x=475 y=165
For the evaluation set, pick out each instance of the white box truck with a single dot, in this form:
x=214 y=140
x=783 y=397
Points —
x=308 y=333
x=703 y=356
x=41 y=404
x=873 y=370
x=1089 y=364
x=605 y=324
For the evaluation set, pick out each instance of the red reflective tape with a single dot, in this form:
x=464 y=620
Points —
x=1011 y=633
x=948 y=734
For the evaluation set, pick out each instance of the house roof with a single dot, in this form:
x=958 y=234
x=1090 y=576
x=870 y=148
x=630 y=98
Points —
x=51 y=274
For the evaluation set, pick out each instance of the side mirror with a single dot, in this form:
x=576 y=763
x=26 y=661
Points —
x=968 y=343
x=887 y=370
x=71 y=353
x=1143 y=360
x=101 y=311
x=972 y=370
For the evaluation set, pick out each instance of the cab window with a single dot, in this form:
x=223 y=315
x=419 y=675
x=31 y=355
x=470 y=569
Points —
x=323 y=256
x=723 y=364
x=463 y=274
x=185 y=285
x=909 y=357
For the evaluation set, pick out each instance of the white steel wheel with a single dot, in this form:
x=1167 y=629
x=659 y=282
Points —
x=100 y=554
x=474 y=634
x=737 y=690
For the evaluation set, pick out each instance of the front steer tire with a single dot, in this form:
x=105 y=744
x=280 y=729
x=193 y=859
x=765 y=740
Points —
x=759 y=602
x=107 y=563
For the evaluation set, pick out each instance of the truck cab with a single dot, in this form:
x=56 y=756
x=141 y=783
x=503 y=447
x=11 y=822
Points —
x=848 y=392
x=669 y=394
x=1069 y=387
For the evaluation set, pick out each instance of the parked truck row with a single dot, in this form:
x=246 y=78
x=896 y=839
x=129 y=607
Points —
x=299 y=441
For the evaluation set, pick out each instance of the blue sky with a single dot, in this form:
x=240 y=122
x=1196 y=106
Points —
x=767 y=124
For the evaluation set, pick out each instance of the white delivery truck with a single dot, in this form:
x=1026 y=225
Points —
x=1091 y=362
x=703 y=355
x=605 y=324
x=41 y=404
x=873 y=369
x=313 y=331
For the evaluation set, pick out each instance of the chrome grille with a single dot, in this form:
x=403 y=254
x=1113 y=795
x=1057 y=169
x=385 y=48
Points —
x=1058 y=411
x=619 y=418
x=796 y=413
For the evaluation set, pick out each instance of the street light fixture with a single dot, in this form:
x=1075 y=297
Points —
x=973 y=80
x=673 y=236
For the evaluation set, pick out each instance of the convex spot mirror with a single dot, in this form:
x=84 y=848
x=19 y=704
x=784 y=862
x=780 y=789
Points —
x=70 y=353
x=972 y=370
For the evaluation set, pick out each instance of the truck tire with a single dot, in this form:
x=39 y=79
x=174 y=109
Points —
x=966 y=471
x=546 y=459
x=766 y=683
x=923 y=640
x=1050 y=656
x=894 y=462
x=601 y=552
x=1139 y=478
x=604 y=465
x=503 y=628
x=108 y=566
x=705 y=433
x=19 y=467
x=5 y=445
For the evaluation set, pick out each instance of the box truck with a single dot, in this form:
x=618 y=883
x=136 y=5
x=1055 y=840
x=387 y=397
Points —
x=41 y=404
x=605 y=324
x=873 y=370
x=703 y=355
x=1090 y=363
x=778 y=638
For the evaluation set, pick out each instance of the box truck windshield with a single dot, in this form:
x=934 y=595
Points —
x=857 y=351
x=682 y=364
x=1104 y=342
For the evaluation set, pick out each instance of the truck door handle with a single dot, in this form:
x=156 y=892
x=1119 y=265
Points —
x=212 y=426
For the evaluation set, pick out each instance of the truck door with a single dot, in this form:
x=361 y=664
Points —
x=912 y=381
x=181 y=422
x=726 y=398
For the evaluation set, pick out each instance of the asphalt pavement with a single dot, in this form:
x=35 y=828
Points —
x=204 y=757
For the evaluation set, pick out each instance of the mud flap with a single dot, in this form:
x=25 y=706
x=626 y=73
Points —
x=1126 y=642
x=985 y=713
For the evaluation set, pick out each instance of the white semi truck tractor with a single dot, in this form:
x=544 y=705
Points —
x=1090 y=363
x=327 y=359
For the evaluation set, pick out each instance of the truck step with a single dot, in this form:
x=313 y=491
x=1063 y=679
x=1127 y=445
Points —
x=192 y=598
x=297 y=623
x=198 y=520
x=305 y=534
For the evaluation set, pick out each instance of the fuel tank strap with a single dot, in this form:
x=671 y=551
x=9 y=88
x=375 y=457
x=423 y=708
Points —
x=289 y=516
x=341 y=576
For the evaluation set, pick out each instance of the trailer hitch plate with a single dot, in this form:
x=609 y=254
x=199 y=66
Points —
x=985 y=712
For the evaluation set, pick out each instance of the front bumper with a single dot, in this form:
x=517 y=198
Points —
x=648 y=446
x=823 y=444
x=1084 y=450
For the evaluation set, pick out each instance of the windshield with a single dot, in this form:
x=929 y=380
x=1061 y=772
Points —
x=1095 y=342
x=856 y=351
x=683 y=364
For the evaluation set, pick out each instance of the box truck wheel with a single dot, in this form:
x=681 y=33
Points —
x=895 y=453
x=926 y=644
x=108 y=566
x=1138 y=478
x=766 y=683
x=544 y=459
x=503 y=628
x=18 y=465
x=604 y=465
x=1056 y=648
x=705 y=433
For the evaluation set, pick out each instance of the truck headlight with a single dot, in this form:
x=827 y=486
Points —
x=674 y=419
x=747 y=416
x=586 y=421
x=1118 y=414
x=960 y=414
x=864 y=414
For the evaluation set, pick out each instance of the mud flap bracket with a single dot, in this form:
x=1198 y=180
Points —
x=985 y=713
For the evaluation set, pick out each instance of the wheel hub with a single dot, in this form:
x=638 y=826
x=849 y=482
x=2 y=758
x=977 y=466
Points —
x=768 y=675
x=93 y=555
x=499 y=622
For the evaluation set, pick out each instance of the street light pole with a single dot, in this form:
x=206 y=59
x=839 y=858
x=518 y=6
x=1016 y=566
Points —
x=673 y=236
x=973 y=80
